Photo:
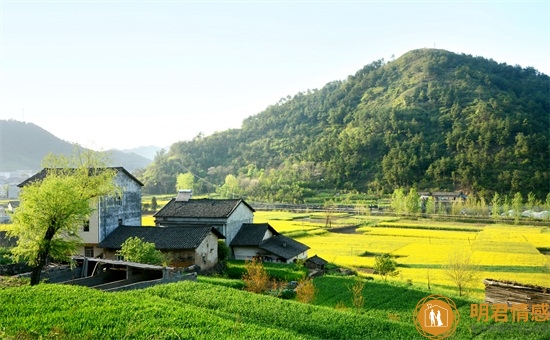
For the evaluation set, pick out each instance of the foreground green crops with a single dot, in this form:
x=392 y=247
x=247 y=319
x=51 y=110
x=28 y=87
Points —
x=190 y=310
x=186 y=310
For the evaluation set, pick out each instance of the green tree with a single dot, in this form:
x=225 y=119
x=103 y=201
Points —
x=185 y=181
x=52 y=209
x=517 y=206
x=398 y=201
x=495 y=202
x=385 y=266
x=154 y=203
x=412 y=202
x=137 y=250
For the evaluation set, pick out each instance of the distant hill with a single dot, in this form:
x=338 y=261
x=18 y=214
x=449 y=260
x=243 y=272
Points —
x=23 y=146
x=148 y=152
x=432 y=119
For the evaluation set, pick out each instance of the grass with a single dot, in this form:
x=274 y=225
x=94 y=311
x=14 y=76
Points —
x=219 y=308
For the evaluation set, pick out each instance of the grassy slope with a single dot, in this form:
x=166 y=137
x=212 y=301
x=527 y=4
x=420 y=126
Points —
x=188 y=310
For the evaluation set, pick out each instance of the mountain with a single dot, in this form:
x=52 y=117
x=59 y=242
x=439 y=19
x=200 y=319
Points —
x=432 y=119
x=23 y=146
x=148 y=152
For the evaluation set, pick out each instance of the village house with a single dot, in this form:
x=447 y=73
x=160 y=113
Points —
x=110 y=212
x=260 y=240
x=182 y=246
x=225 y=215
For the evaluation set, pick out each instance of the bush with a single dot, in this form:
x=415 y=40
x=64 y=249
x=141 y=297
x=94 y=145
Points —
x=223 y=251
x=135 y=249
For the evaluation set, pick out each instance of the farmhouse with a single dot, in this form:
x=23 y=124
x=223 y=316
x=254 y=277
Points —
x=260 y=240
x=197 y=245
x=226 y=215
x=110 y=212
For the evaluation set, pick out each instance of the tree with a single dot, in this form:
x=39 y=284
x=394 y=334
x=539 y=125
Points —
x=185 y=181
x=305 y=291
x=137 y=250
x=256 y=279
x=398 y=201
x=496 y=206
x=357 y=298
x=412 y=201
x=517 y=206
x=52 y=208
x=223 y=251
x=385 y=266
x=154 y=203
x=461 y=270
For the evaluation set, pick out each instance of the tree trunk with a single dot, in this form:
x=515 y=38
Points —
x=37 y=270
x=42 y=256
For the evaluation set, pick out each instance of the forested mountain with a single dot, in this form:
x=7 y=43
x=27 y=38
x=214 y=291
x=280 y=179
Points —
x=431 y=119
x=23 y=146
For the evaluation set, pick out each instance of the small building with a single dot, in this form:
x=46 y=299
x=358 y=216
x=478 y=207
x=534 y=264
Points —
x=260 y=240
x=316 y=263
x=226 y=215
x=184 y=246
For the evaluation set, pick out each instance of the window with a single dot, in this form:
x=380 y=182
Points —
x=119 y=257
x=89 y=251
x=86 y=225
x=119 y=222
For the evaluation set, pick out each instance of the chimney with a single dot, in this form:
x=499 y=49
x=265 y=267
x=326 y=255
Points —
x=184 y=195
x=284 y=244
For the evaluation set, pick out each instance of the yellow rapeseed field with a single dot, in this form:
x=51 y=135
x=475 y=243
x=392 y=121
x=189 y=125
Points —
x=500 y=251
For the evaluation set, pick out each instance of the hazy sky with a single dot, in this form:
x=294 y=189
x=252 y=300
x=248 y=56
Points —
x=121 y=74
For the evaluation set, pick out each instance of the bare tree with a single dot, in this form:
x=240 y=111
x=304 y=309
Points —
x=462 y=270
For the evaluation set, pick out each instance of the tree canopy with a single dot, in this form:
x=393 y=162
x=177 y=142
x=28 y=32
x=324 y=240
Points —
x=53 y=208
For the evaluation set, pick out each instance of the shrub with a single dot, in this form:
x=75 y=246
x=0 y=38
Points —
x=305 y=292
x=135 y=249
x=386 y=266
x=255 y=279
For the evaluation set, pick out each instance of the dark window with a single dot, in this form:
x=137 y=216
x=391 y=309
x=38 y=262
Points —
x=119 y=222
x=89 y=251
x=86 y=225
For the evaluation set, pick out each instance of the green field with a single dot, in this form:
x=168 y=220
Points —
x=422 y=247
x=201 y=310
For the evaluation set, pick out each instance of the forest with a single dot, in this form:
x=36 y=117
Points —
x=430 y=119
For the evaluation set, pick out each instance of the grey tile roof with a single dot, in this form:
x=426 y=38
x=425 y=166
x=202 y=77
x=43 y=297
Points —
x=164 y=238
x=251 y=234
x=283 y=246
x=44 y=172
x=317 y=260
x=201 y=208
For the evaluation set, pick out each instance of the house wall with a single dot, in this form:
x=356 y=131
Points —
x=242 y=214
x=206 y=254
x=245 y=253
x=126 y=208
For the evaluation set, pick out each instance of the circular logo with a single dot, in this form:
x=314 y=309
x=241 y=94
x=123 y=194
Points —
x=436 y=317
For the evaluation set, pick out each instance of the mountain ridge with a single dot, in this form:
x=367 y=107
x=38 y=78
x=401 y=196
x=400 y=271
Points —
x=23 y=146
x=432 y=119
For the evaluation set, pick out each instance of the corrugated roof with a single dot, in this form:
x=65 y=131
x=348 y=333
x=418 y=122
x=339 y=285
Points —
x=164 y=238
x=201 y=208
x=251 y=234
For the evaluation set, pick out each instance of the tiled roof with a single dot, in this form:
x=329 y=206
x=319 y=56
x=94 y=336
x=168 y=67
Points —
x=164 y=238
x=251 y=234
x=44 y=172
x=317 y=260
x=283 y=246
x=201 y=208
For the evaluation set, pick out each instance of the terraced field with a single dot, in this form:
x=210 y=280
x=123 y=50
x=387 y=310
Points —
x=422 y=247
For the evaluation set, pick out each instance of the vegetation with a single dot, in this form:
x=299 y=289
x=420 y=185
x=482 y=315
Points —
x=305 y=291
x=462 y=270
x=431 y=119
x=137 y=250
x=256 y=279
x=53 y=209
x=385 y=266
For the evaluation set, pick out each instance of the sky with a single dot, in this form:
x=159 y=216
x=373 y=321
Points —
x=124 y=74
